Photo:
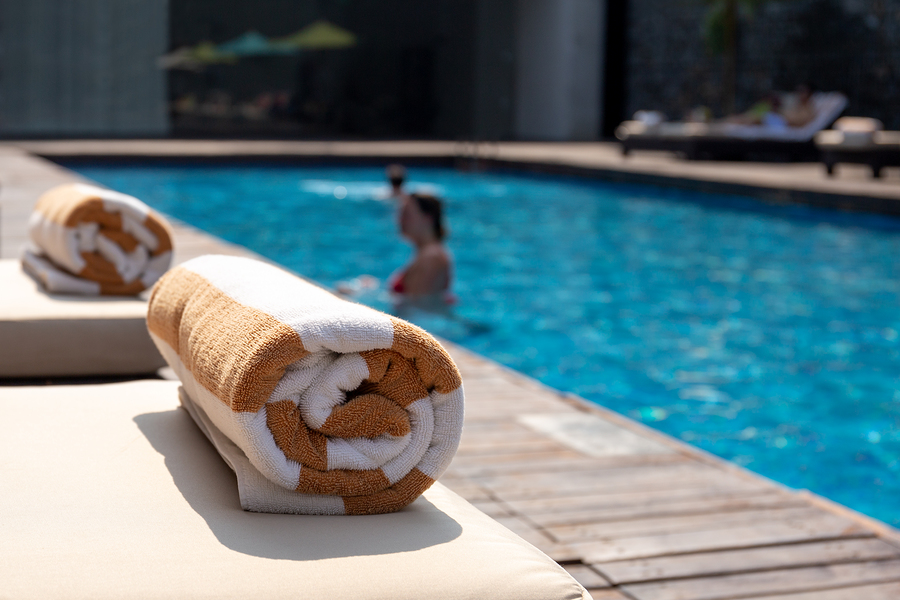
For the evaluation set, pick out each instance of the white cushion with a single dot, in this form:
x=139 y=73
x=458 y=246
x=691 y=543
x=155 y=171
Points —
x=56 y=335
x=111 y=491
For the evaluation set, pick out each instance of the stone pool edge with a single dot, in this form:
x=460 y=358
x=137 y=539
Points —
x=774 y=183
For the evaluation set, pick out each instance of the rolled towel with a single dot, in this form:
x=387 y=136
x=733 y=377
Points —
x=352 y=410
x=88 y=240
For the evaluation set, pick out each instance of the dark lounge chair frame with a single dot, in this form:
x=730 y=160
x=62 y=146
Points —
x=875 y=158
x=724 y=148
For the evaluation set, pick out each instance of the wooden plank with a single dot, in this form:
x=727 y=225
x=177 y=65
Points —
x=754 y=559
x=608 y=594
x=674 y=524
x=491 y=387
x=821 y=527
x=587 y=576
x=536 y=447
x=603 y=475
x=610 y=480
x=513 y=401
x=639 y=478
x=488 y=413
x=512 y=395
x=560 y=454
x=592 y=488
x=492 y=508
x=468 y=490
x=592 y=434
x=782 y=581
x=644 y=509
x=549 y=508
x=500 y=382
x=880 y=591
x=507 y=435
x=498 y=428
x=475 y=371
x=582 y=463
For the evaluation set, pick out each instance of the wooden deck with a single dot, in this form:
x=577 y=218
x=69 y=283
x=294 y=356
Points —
x=630 y=512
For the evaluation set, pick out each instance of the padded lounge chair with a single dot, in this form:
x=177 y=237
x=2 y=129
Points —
x=112 y=491
x=861 y=141
x=59 y=335
x=731 y=141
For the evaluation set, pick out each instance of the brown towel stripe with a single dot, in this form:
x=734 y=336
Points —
x=435 y=367
x=100 y=270
x=296 y=440
x=390 y=499
x=342 y=482
x=160 y=229
x=393 y=375
x=122 y=239
x=236 y=352
x=369 y=416
x=345 y=419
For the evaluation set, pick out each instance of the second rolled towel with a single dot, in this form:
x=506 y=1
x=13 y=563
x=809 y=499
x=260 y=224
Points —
x=88 y=240
x=350 y=410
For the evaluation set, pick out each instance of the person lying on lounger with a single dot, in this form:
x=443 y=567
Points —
x=802 y=110
x=764 y=112
x=772 y=112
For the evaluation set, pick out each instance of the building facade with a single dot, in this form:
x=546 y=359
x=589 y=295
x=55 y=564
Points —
x=83 y=68
x=457 y=69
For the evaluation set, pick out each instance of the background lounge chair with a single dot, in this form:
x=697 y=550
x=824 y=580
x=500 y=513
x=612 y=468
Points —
x=57 y=335
x=730 y=141
x=859 y=140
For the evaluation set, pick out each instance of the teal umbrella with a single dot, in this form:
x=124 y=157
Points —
x=253 y=43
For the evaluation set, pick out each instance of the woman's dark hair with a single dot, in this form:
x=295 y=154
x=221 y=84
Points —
x=431 y=206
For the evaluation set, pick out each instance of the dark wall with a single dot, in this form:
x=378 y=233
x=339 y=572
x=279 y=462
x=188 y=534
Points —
x=82 y=68
x=852 y=46
x=409 y=75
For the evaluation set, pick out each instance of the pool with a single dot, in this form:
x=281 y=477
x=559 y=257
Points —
x=769 y=336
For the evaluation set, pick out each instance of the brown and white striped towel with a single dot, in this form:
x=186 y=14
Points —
x=89 y=240
x=352 y=410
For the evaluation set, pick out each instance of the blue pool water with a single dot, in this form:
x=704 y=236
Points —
x=767 y=335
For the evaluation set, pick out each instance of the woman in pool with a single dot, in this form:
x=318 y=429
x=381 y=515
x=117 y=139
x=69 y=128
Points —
x=430 y=272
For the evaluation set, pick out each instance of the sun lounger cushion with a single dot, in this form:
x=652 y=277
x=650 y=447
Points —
x=111 y=491
x=88 y=240
x=50 y=335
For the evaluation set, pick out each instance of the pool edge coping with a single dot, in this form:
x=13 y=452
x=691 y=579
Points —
x=473 y=156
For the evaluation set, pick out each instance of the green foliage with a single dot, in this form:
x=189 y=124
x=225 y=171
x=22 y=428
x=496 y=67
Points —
x=721 y=21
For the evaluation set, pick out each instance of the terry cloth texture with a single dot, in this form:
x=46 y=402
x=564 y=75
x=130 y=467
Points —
x=354 y=411
x=88 y=240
